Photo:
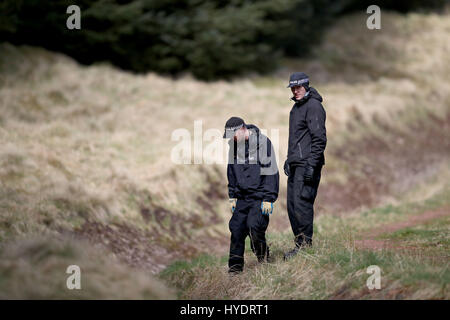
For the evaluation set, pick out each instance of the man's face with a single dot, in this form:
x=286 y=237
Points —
x=298 y=92
x=241 y=134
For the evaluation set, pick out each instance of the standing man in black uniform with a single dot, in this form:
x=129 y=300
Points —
x=253 y=184
x=307 y=142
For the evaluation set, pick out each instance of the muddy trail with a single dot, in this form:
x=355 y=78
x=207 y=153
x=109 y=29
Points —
x=143 y=249
x=371 y=242
x=135 y=247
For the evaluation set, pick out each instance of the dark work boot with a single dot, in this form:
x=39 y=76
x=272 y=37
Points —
x=290 y=254
x=234 y=272
x=265 y=257
x=236 y=269
x=268 y=257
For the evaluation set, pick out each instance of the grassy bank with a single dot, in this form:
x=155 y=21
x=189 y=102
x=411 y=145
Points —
x=414 y=265
x=85 y=158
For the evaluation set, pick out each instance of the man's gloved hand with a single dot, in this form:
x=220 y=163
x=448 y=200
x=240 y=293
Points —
x=287 y=169
x=232 y=204
x=266 y=207
x=308 y=174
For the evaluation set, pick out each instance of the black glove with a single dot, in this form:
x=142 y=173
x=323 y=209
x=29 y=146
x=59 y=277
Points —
x=287 y=169
x=308 y=174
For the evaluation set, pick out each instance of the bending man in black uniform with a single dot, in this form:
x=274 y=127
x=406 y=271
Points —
x=253 y=183
x=307 y=141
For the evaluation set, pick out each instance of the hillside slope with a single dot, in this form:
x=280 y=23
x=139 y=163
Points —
x=85 y=152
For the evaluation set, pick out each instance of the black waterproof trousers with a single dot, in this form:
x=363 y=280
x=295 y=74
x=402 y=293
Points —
x=300 y=201
x=247 y=220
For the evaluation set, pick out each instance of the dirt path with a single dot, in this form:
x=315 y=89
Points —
x=371 y=243
x=135 y=247
x=140 y=248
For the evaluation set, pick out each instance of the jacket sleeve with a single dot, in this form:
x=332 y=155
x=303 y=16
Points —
x=270 y=175
x=315 y=118
x=231 y=182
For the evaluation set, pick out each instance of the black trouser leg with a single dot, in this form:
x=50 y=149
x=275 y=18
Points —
x=247 y=220
x=257 y=225
x=239 y=231
x=300 y=201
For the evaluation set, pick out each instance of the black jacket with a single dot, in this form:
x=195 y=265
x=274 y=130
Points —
x=254 y=176
x=307 y=132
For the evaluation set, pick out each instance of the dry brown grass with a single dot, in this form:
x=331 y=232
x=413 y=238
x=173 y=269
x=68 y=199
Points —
x=93 y=143
x=35 y=268
x=335 y=268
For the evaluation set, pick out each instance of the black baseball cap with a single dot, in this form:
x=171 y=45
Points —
x=298 y=79
x=232 y=125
